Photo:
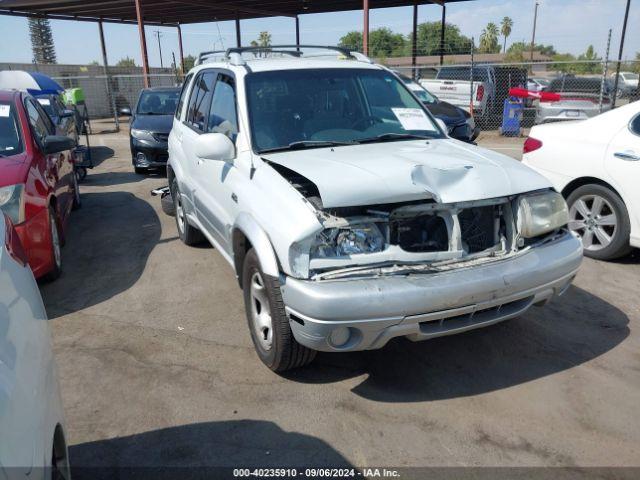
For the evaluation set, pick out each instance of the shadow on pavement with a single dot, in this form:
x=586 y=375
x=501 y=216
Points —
x=100 y=153
x=119 y=178
x=210 y=445
x=569 y=331
x=108 y=244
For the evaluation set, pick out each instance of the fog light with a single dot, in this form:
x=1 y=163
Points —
x=141 y=158
x=339 y=336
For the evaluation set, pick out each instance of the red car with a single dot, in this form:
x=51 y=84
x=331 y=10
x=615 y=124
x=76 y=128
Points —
x=38 y=187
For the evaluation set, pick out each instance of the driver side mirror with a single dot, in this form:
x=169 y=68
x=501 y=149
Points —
x=57 y=144
x=215 y=146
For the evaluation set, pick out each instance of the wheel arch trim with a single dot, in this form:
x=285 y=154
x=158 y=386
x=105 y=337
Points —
x=259 y=240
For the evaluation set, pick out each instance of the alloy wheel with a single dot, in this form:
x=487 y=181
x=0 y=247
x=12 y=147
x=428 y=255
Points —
x=55 y=242
x=180 y=217
x=261 y=312
x=594 y=219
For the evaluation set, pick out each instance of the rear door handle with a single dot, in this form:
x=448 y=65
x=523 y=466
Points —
x=628 y=156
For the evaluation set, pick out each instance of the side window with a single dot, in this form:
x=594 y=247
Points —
x=200 y=101
x=635 y=125
x=39 y=125
x=223 y=116
x=183 y=94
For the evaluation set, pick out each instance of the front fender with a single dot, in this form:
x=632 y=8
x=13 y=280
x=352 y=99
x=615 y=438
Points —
x=260 y=242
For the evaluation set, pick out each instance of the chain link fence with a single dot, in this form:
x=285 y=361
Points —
x=558 y=91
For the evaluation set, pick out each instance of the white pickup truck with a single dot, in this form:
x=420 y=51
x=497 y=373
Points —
x=453 y=85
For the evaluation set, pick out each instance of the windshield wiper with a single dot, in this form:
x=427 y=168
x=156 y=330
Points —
x=301 y=144
x=386 y=137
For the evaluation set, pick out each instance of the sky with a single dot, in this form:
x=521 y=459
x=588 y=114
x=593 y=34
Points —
x=569 y=25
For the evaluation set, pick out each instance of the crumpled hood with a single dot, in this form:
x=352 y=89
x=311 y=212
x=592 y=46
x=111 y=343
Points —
x=445 y=170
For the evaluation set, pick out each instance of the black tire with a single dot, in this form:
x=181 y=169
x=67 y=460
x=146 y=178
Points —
x=77 y=202
x=619 y=245
x=56 y=271
x=140 y=170
x=189 y=234
x=168 y=206
x=285 y=353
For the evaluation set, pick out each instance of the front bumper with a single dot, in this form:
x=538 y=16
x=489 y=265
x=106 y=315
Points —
x=155 y=153
x=423 y=306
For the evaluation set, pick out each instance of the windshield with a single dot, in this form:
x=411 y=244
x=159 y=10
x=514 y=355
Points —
x=315 y=107
x=10 y=136
x=631 y=76
x=158 y=103
x=424 y=95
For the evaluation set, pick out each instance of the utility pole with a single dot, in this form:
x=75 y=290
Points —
x=158 y=35
x=533 y=36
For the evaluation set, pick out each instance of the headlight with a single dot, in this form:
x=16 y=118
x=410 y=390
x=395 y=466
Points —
x=142 y=134
x=11 y=202
x=341 y=242
x=541 y=213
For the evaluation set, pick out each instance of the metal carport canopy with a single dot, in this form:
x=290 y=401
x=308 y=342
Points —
x=174 y=12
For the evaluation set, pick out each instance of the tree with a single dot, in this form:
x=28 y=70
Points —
x=489 y=39
x=384 y=43
x=352 y=40
x=126 y=62
x=521 y=51
x=590 y=61
x=264 y=39
x=505 y=29
x=189 y=62
x=42 y=41
x=429 y=39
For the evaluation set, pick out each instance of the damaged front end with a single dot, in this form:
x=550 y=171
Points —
x=426 y=236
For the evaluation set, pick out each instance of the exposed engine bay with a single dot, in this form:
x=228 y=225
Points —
x=415 y=236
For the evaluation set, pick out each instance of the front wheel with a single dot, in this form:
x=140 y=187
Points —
x=600 y=217
x=189 y=234
x=268 y=323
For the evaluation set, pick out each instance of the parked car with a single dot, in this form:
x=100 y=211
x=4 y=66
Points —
x=348 y=215
x=627 y=83
x=459 y=122
x=32 y=435
x=537 y=84
x=491 y=84
x=150 y=126
x=38 y=187
x=595 y=165
x=63 y=118
x=580 y=99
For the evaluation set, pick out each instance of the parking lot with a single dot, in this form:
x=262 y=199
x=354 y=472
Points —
x=157 y=366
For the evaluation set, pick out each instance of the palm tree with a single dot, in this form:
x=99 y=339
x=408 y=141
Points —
x=489 y=39
x=505 y=29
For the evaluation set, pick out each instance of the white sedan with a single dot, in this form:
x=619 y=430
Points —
x=596 y=165
x=32 y=440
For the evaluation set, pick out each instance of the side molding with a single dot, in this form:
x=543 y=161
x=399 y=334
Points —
x=259 y=241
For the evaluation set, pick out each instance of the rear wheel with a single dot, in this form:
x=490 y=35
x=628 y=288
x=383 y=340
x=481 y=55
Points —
x=189 y=234
x=600 y=217
x=56 y=247
x=268 y=323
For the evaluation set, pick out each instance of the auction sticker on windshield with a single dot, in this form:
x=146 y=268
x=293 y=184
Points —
x=412 y=118
x=4 y=111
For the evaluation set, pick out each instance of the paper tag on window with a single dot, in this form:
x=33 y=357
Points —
x=4 y=110
x=44 y=101
x=412 y=118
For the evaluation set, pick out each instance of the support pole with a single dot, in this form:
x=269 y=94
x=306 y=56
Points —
x=443 y=26
x=414 y=42
x=143 y=44
x=297 y=30
x=533 y=36
x=624 y=33
x=365 y=33
x=181 y=50
x=238 y=33
x=605 y=72
x=105 y=65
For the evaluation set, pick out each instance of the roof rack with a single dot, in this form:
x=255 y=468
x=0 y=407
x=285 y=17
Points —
x=234 y=54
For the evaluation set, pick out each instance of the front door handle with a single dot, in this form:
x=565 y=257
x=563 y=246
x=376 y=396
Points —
x=628 y=156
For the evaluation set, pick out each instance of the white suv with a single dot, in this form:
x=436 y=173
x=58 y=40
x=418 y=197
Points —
x=348 y=215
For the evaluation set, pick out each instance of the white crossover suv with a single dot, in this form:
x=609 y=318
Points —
x=348 y=215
